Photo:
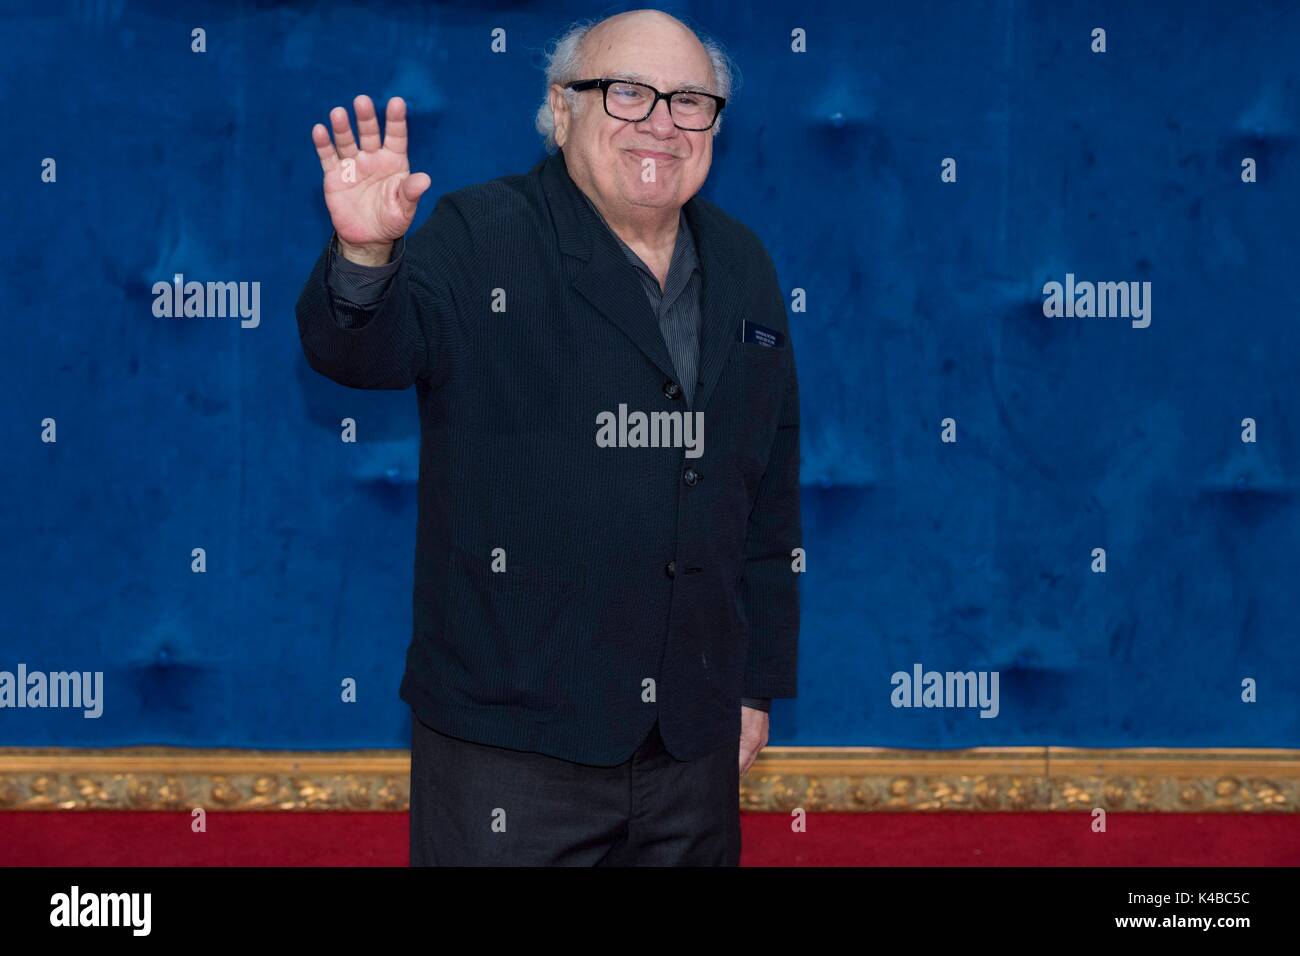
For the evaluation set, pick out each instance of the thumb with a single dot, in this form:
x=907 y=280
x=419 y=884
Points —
x=413 y=187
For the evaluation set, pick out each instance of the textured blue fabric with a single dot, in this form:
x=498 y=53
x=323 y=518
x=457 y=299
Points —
x=924 y=301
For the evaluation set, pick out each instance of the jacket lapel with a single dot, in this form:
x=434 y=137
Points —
x=607 y=282
x=722 y=297
x=610 y=284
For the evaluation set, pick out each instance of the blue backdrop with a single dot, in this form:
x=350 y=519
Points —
x=924 y=302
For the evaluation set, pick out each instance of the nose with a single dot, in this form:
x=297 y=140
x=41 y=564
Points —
x=661 y=120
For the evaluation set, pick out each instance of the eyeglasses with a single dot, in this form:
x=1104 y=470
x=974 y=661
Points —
x=691 y=110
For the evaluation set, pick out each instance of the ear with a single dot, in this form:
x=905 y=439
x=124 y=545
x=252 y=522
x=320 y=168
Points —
x=560 y=110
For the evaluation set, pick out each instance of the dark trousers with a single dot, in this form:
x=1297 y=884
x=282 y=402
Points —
x=477 y=805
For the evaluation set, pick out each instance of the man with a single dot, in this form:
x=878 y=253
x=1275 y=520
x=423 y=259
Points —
x=608 y=493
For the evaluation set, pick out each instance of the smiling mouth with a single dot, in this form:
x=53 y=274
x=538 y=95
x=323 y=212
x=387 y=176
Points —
x=651 y=154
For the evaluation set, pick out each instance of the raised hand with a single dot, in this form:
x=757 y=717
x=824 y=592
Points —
x=370 y=192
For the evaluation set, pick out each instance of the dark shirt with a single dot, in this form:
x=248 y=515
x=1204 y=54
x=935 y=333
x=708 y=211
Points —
x=676 y=307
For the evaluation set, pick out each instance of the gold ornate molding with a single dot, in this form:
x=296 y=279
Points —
x=868 y=779
x=817 y=779
x=179 y=778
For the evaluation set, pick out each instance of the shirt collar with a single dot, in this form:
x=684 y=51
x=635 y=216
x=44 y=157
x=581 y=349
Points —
x=684 y=260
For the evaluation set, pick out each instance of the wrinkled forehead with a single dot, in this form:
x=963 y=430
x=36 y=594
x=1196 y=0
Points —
x=666 y=60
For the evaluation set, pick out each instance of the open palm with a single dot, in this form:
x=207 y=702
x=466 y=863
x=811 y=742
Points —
x=370 y=191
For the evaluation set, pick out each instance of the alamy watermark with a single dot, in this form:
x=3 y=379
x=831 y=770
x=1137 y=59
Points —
x=82 y=690
x=1102 y=300
x=75 y=908
x=651 y=430
x=218 y=300
x=922 y=688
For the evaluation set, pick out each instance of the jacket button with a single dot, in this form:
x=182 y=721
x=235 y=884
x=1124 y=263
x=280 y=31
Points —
x=692 y=476
x=672 y=389
x=670 y=569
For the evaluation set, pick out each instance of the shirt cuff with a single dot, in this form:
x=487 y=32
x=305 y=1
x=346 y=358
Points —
x=757 y=703
x=362 y=286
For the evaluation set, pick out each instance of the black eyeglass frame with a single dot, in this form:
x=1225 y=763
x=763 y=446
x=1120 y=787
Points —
x=579 y=86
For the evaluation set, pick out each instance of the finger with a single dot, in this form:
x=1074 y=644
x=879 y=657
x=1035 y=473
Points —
x=367 y=123
x=320 y=137
x=413 y=187
x=395 y=126
x=343 y=141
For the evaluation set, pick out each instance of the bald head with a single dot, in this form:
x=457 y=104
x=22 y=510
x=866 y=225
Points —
x=644 y=28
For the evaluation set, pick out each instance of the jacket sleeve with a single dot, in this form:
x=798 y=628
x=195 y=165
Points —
x=770 y=586
x=403 y=338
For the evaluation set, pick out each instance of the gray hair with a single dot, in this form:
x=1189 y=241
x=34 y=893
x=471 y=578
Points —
x=563 y=66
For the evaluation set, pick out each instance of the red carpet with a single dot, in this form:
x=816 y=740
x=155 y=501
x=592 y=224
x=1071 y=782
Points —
x=128 y=838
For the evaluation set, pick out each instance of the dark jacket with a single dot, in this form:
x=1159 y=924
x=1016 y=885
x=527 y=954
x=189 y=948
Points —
x=638 y=582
